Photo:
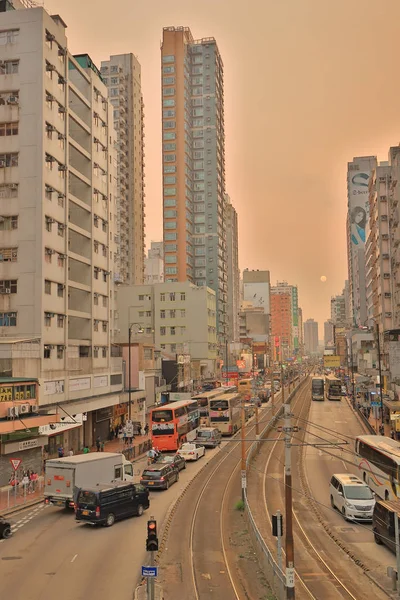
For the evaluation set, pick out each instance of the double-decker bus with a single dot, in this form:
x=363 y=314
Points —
x=317 y=388
x=379 y=462
x=204 y=397
x=245 y=387
x=333 y=388
x=224 y=413
x=174 y=423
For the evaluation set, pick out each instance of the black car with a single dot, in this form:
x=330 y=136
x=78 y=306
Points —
x=104 y=504
x=172 y=459
x=159 y=476
x=5 y=528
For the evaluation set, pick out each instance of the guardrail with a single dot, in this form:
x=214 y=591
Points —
x=275 y=576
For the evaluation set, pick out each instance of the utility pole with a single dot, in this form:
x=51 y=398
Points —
x=283 y=385
x=257 y=427
x=272 y=391
x=289 y=542
x=380 y=371
x=396 y=533
x=243 y=447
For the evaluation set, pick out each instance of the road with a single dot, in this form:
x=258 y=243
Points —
x=51 y=556
x=322 y=569
x=340 y=419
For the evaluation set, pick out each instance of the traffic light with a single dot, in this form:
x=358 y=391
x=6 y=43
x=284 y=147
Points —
x=277 y=525
x=152 y=539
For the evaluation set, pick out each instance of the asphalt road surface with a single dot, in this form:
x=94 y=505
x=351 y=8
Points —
x=51 y=557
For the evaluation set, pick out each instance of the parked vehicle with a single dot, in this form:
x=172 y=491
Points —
x=383 y=526
x=159 y=476
x=5 y=528
x=249 y=410
x=352 y=497
x=209 y=437
x=104 y=504
x=191 y=451
x=64 y=476
x=175 y=460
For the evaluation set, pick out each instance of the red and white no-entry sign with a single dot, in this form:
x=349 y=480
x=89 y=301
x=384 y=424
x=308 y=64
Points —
x=15 y=462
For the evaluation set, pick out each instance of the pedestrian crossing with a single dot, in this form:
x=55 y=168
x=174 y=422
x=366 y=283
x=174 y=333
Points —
x=26 y=518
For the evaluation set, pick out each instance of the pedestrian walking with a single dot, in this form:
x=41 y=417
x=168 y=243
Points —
x=381 y=429
x=98 y=443
x=60 y=451
x=71 y=452
x=146 y=429
x=24 y=484
x=392 y=435
x=34 y=477
x=102 y=446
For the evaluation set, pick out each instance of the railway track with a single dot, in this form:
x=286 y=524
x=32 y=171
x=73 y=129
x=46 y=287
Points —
x=319 y=574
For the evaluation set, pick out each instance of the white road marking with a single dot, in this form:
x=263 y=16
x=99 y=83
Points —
x=73 y=558
x=345 y=466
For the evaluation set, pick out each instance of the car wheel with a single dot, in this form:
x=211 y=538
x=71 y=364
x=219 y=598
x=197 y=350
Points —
x=7 y=533
x=110 y=520
x=332 y=502
x=140 y=510
x=167 y=484
x=377 y=539
x=344 y=513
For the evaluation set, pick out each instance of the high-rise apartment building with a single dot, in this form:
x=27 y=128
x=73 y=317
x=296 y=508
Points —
x=58 y=208
x=282 y=325
x=301 y=329
x=282 y=287
x=393 y=216
x=195 y=248
x=122 y=75
x=154 y=264
x=358 y=174
x=311 y=336
x=338 y=310
x=328 y=333
x=233 y=293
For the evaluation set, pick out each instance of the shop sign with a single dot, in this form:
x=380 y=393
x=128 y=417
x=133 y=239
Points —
x=100 y=381
x=59 y=427
x=53 y=387
x=76 y=385
x=103 y=414
x=28 y=444
x=120 y=410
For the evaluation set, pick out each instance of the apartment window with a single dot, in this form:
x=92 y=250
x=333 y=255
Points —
x=96 y=325
x=9 y=160
x=60 y=290
x=8 y=223
x=170 y=214
x=47 y=319
x=162 y=330
x=169 y=91
x=60 y=260
x=8 y=286
x=171 y=271
x=171 y=259
x=169 y=58
x=96 y=272
x=162 y=314
x=169 y=147
x=104 y=326
x=47 y=286
x=105 y=276
x=183 y=330
x=170 y=248
x=172 y=314
x=105 y=301
x=104 y=352
x=104 y=226
x=148 y=313
x=8 y=254
x=7 y=129
x=183 y=313
x=96 y=221
x=170 y=225
x=46 y=351
x=172 y=330
x=96 y=300
x=162 y=346
x=169 y=124
x=149 y=330
x=171 y=237
x=169 y=135
x=172 y=296
x=162 y=297
x=95 y=352
x=60 y=352
x=141 y=297
x=183 y=296
x=60 y=229
x=170 y=69
x=9 y=67
x=60 y=320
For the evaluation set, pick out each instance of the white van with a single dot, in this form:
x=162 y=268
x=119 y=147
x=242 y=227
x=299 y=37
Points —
x=352 y=497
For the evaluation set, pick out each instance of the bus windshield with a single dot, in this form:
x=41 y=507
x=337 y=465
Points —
x=162 y=415
x=219 y=405
x=317 y=385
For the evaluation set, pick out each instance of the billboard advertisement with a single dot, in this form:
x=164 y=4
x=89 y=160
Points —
x=358 y=205
x=331 y=361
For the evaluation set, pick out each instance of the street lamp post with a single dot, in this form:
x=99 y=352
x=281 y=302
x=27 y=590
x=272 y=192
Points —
x=140 y=330
x=380 y=371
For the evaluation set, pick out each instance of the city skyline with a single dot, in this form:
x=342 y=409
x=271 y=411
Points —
x=322 y=128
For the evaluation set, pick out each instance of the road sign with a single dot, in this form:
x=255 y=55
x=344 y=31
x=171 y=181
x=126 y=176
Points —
x=244 y=483
x=331 y=361
x=15 y=462
x=149 y=571
x=375 y=403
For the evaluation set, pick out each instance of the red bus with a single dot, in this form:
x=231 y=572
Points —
x=174 y=423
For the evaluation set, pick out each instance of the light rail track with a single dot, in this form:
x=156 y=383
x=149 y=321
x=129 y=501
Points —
x=302 y=403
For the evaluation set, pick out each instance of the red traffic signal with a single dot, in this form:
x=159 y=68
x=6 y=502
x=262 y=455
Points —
x=152 y=539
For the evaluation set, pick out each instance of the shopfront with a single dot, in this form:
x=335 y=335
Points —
x=26 y=447
x=67 y=433
x=101 y=422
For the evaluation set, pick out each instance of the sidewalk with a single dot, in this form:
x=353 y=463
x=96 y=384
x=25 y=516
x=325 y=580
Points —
x=10 y=501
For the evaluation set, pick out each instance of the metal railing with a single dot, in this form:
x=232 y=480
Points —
x=275 y=576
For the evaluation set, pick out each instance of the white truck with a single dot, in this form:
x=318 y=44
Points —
x=64 y=476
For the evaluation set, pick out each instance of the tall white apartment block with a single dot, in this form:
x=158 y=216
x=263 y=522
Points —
x=122 y=75
x=58 y=209
x=233 y=292
x=154 y=264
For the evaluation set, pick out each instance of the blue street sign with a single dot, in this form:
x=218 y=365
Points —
x=149 y=571
x=374 y=403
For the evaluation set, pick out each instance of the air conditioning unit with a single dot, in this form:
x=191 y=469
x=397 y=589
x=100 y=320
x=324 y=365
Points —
x=24 y=409
x=13 y=100
x=7 y=291
x=34 y=409
x=12 y=412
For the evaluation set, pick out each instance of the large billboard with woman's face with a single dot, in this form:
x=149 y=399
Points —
x=358 y=205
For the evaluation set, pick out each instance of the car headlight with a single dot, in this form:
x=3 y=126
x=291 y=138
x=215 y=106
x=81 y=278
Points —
x=350 y=505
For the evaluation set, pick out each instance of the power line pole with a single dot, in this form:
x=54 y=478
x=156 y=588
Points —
x=380 y=371
x=289 y=542
x=243 y=447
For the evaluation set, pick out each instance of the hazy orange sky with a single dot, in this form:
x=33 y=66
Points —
x=308 y=85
